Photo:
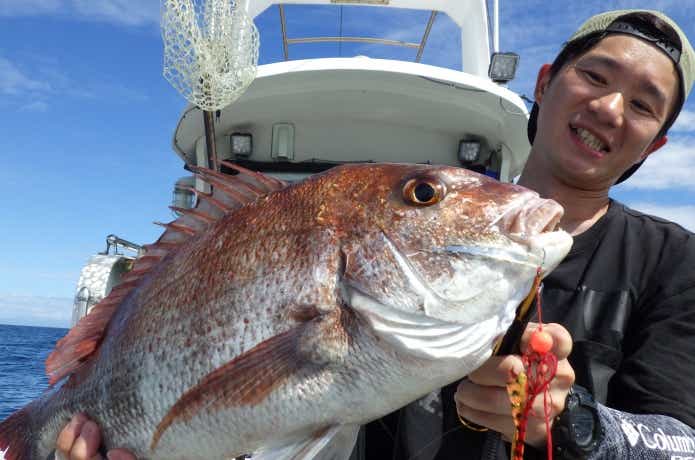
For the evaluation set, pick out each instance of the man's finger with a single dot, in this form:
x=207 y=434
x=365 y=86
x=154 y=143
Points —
x=497 y=371
x=488 y=399
x=500 y=423
x=70 y=433
x=120 y=454
x=86 y=446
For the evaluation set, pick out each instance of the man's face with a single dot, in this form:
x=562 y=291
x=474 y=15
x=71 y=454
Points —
x=601 y=113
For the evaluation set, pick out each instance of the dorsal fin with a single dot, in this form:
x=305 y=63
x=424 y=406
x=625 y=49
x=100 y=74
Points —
x=229 y=192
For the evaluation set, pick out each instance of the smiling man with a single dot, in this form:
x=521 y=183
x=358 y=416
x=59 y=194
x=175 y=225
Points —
x=624 y=298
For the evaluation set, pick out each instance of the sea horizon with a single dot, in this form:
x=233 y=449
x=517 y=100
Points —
x=33 y=325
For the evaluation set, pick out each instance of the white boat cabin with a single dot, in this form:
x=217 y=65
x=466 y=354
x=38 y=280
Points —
x=354 y=81
x=304 y=115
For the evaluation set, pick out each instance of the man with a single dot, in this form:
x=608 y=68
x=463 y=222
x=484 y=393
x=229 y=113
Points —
x=626 y=291
x=625 y=296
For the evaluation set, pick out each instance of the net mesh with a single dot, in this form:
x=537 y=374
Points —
x=210 y=50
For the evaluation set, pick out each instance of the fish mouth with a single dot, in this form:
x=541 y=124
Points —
x=510 y=255
x=533 y=223
x=545 y=251
x=433 y=301
x=530 y=215
x=536 y=226
x=431 y=337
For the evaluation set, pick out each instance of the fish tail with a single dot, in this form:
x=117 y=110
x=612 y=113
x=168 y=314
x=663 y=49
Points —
x=16 y=433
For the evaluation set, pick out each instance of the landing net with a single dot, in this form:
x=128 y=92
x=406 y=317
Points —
x=210 y=50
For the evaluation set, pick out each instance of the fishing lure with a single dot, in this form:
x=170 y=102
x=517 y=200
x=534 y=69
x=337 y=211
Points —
x=540 y=366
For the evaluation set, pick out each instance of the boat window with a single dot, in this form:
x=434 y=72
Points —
x=317 y=31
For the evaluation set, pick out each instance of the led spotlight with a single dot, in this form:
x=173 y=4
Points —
x=242 y=144
x=503 y=67
x=469 y=150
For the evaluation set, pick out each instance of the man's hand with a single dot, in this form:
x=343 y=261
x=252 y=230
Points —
x=80 y=440
x=482 y=397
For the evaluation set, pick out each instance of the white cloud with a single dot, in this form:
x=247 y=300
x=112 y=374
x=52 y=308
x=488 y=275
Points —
x=685 y=122
x=35 y=311
x=13 y=81
x=29 y=86
x=683 y=215
x=35 y=106
x=29 y=7
x=122 y=12
x=671 y=167
x=125 y=12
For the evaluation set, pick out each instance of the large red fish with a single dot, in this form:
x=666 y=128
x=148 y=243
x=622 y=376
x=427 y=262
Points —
x=275 y=319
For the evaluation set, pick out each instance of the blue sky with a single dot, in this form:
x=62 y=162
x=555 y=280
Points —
x=86 y=121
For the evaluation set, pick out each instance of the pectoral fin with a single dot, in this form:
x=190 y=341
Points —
x=246 y=380
x=334 y=443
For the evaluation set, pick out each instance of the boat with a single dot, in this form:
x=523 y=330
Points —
x=302 y=116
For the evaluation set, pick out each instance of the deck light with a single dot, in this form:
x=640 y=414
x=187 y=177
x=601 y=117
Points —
x=242 y=144
x=503 y=67
x=469 y=150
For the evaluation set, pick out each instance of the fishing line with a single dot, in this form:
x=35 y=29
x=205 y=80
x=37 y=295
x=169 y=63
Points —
x=540 y=367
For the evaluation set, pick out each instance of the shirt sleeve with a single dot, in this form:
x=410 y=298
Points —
x=643 y=436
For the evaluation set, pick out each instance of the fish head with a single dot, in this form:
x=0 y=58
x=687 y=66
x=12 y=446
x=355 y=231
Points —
x=447 y=249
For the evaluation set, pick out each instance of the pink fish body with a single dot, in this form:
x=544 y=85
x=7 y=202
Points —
x=275 y=319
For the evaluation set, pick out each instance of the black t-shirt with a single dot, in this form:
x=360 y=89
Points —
x=626 y=293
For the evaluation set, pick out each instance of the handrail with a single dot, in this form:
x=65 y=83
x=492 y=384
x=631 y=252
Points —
x=425 y=36
x=284 y=31
x=378 y=41
x=113 y=241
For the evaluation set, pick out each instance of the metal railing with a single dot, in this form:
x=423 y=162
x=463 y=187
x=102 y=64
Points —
x=379 y=41
x=113 y=242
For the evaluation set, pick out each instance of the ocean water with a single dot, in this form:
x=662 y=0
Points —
x=23 y=350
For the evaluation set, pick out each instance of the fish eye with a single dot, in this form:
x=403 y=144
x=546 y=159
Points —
x=423 y=191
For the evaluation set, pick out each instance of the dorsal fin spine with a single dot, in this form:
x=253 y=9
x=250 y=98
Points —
x=206 y=197
x=271 y=183
x=219 y=181
x=232 y=182
x=177 y=227
x=138 y=272
x=194 y=213
x=73 y=351
x=167 y=245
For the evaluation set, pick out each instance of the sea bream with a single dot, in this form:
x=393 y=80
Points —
x=274 y=319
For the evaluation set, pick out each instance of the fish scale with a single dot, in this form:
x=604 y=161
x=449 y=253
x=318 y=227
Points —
x=274 y=316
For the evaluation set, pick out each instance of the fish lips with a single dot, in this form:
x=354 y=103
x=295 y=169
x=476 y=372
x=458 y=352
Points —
x=544 y=250
x=551 y=247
